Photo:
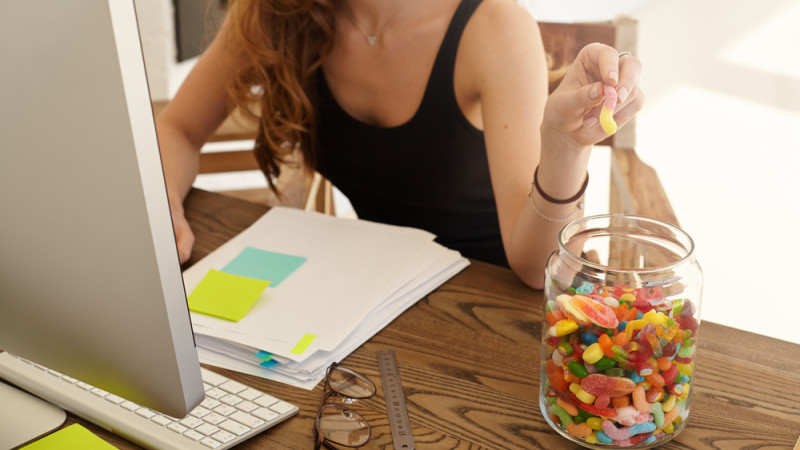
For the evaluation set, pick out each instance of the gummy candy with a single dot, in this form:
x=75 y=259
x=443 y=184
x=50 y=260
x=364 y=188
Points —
x=607 y=112
x=585 y=311
x=598 y=384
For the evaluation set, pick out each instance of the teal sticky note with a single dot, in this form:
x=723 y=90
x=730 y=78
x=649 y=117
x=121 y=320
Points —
x=225 y=295
x=264 y=265
x=268 y=363
x=261 y=354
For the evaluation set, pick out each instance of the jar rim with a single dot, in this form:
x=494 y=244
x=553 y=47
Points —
x=684 y=239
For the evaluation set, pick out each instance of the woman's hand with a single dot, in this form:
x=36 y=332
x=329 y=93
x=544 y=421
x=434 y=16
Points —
x=572 y=111
x=184 y=236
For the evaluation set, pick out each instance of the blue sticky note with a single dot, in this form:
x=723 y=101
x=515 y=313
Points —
x=261 y=354
x=264 y=265
x=268 y=363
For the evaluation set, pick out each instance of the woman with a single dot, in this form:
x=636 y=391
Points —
x=428 y=114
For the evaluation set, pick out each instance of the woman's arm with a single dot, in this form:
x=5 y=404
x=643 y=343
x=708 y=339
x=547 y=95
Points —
x=523 y=127
x=186 y=123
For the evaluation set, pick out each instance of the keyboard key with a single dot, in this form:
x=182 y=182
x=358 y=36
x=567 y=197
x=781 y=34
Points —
x=146 y=413
x=234 y=427
x=210 y=443
x=178 y=428
x=209 y=403
x=265 y=414
x=265 y=400
x=246 y=406
x=281 y=407
x=99 y=392
x=214 y=418
x=130 y=406
x=207 y=429
x=224 y=410
x=115 y=399
x=213 y=378
x=233 y=387
x=246 y=419
x=224 y=436
x=215 y=393
x=250 y=394
x=230 y=400
x=85 y=386
x=200 y=412
x=161 y=420
x=193 y=435
x=191 y=422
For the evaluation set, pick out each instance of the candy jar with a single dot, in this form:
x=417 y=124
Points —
x=621 y=315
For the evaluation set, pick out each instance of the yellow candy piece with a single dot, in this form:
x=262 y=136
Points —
x=607 y=121
x=565 y=327
x=593 y=353
x=585 y=397
x=595 y=423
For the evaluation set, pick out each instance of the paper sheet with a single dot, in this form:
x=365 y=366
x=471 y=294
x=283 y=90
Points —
x=357 y=276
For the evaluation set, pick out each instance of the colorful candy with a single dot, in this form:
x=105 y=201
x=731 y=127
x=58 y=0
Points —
x=619 y=363
x=586 y=311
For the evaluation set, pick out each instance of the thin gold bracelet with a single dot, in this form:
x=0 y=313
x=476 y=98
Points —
x=551 y=219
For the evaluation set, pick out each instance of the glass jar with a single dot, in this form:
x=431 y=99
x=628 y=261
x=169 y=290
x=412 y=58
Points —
x=622 y=309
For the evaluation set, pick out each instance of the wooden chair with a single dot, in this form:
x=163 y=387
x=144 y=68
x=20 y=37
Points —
x=635 y=187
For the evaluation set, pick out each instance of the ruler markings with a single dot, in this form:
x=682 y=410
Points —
x=402 y=436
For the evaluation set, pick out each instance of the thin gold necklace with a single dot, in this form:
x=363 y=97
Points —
x=372 y=39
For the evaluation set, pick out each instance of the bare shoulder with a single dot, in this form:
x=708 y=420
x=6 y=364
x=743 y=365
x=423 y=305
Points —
x=500 y=20
x=502 y=36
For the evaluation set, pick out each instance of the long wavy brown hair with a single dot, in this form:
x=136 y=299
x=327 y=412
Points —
x=278 y=47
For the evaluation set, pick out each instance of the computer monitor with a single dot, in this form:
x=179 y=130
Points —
x=90 y=280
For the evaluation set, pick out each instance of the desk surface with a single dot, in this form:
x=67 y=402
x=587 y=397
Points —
x=468 y=355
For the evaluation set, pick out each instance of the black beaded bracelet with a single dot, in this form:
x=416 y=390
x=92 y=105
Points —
x=554 y=200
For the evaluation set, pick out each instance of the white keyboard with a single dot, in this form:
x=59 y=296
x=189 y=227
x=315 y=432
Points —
x=230 y=413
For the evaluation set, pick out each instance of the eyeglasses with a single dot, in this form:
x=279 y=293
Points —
x=337 y=423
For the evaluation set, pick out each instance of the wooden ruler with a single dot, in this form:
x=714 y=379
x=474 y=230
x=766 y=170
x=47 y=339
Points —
x=402 y=437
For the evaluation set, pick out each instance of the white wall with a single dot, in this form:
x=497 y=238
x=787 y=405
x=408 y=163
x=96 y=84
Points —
x=157 y=30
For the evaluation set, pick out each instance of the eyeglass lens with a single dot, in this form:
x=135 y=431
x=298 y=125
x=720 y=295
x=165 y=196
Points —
x=350 y=384
x=340 y=424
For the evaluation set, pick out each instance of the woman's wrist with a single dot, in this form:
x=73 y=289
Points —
x=562 y=166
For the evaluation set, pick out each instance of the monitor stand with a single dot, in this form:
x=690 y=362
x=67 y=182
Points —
x=25 y=418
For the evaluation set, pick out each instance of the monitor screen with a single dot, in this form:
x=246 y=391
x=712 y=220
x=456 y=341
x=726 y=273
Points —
x=90 y=281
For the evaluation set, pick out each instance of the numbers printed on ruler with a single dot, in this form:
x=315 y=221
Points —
x=402 y=436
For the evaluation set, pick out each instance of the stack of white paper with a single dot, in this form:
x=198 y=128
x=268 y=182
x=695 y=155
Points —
x=357 y=277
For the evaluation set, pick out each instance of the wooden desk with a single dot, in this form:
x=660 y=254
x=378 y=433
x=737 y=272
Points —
x=468 y=356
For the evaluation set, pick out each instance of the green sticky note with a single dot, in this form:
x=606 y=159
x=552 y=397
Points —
x=226 y=296
x=73 y=436
x=264 y=265
x=301 y=346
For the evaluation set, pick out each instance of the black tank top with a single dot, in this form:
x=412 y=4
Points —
x=430 y=172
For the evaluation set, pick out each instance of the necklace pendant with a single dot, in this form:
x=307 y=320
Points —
x=371 y=40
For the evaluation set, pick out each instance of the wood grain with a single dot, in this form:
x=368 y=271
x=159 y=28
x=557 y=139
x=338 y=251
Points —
x=468 y=356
